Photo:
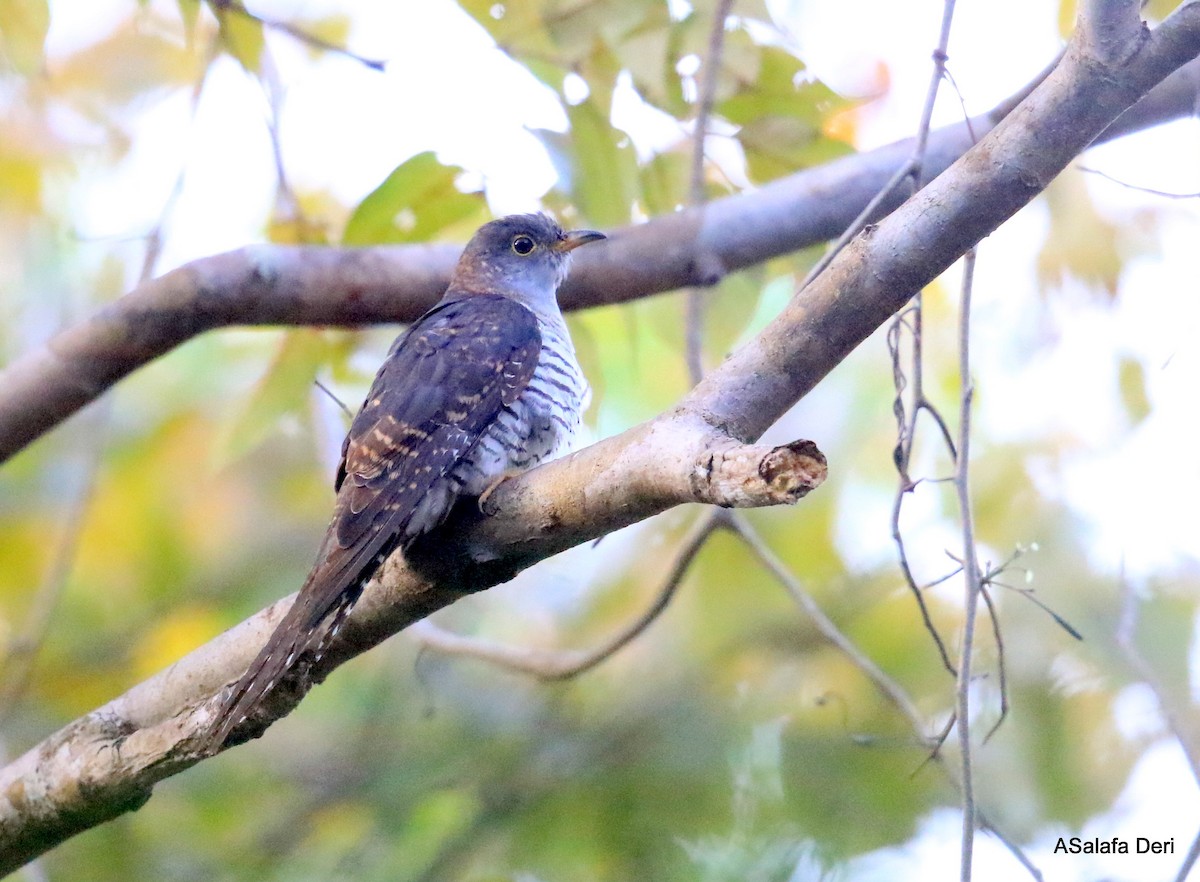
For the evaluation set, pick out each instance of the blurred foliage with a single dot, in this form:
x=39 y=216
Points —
x=417 y=202
x=730 y=742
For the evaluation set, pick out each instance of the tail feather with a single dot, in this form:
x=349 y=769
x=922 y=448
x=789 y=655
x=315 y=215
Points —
x=299 y=634
x=329 y=593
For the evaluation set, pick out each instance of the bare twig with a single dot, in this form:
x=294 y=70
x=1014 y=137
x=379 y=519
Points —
x=1129 y=186
x=286 y=203
x=563 y=665
x=694 y=319
x=885 y=684
x=991 y=577
x=1001 y=668
x=914 y=168
x=296 y=33
x=888 y=687
x=913 y=380
x=345 y=408
x=972 y=576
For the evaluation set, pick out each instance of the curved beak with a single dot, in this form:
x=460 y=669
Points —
x=572 y=240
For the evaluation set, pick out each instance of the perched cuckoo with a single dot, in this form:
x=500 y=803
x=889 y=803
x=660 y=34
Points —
x=484 y=384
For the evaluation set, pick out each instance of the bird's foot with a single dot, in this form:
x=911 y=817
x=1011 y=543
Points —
x=491 y=488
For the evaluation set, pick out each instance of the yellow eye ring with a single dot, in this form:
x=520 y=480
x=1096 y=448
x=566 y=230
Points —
x=523 y=245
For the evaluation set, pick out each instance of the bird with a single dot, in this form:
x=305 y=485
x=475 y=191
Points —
x=483 y=385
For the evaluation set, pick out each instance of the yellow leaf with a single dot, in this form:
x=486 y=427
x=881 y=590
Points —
x=1082 y=243
x=20 y=183
x=242 y=37
x=1067 y=11
x=23 y=26
x=1131 y=378
x=124 y=65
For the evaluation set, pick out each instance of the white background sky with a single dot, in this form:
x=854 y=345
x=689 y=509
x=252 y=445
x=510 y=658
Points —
x=448 y=89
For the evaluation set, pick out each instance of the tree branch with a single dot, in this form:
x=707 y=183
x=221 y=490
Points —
x=108 y=761
x=312 y=285
x=565 y=664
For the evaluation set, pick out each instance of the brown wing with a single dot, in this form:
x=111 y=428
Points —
x=443 y=383
x=438 y=391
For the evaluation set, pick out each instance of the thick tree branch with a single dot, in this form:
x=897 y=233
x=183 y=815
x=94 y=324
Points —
x=108 y=761
x=310 y=285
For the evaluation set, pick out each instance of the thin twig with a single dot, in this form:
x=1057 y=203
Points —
x=563 y=665
x=885 y=684
x=913 y=321
x=913 y=169
x=910 y=580
x=856 y=226
x=333 y=397
x=694 y=322
x=1128 y=186
x=1001 y=668
x=295 y=33
x=991 y=577
x=286 y=203
x=971 y=572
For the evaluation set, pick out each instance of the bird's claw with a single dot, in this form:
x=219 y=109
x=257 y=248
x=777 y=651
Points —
x=491 y=488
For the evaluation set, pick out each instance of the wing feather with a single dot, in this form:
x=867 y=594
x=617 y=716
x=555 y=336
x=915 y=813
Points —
x=443 y=383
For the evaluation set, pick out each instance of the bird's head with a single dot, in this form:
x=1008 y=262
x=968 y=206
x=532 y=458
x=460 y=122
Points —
x=524 y=256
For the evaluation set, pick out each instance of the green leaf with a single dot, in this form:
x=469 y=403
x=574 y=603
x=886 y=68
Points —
x=1131 y=378
x=417 y=201
x=189 y=12
x=664 y=182
x=776 y=89
x=602 y=166
x=333 y=30
x=283 y=391
x=517 y=27
x=242 y=37
x=783 y=117
x=610 y=22
x=646 y=54
x=776 y=146
x=23 y=27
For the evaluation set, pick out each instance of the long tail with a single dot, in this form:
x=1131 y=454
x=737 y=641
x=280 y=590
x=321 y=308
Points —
x=303 y=632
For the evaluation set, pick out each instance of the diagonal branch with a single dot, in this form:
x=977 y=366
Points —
x=565 y=664
x=108 y=761
x=311 y=285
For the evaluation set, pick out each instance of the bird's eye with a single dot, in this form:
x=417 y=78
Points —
x=523 y=245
